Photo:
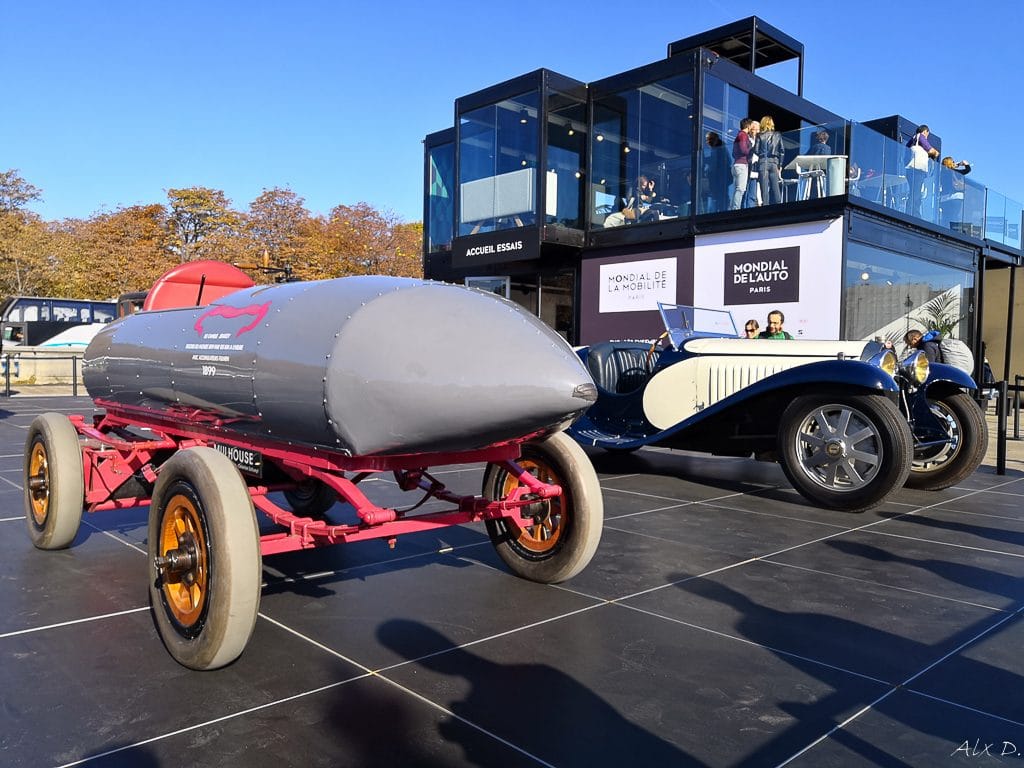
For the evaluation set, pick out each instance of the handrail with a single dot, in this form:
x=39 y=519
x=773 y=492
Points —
x=9 y=359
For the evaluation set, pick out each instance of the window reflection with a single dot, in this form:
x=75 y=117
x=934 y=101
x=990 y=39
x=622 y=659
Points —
x=567 y=137
x=641 y=154
x=498 y=147
x=440 y=212
x=887 y=294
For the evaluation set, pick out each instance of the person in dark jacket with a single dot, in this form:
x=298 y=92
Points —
x=770 y=151
x=916 y=340
x=820 y=145
x=741 y=150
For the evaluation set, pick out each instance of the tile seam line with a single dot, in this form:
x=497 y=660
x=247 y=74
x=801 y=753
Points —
x=904 y=685
x=377 y=673
x=854 y=579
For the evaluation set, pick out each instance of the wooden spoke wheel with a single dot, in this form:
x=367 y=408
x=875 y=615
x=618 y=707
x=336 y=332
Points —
x=204 y=553
x=53 y=481
x=562 y=533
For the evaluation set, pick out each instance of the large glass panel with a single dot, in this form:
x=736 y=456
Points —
x=567 y=137
x=887 y=176
x=440 y=191
x=724 y=107
x=641 y=154
x=886 y=294
x=556 y=303
x=1002 y=219
x=498 y=148
x=815 y=164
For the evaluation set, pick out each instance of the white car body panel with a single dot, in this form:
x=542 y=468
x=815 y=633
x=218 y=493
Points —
x=724 y=367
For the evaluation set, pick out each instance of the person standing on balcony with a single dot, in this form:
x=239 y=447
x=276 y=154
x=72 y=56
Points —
x=742 y=147
x=918 y=169
x=753 y=197
x=770 y=152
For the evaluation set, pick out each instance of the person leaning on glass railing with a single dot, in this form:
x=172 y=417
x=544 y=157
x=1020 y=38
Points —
x=951 y=189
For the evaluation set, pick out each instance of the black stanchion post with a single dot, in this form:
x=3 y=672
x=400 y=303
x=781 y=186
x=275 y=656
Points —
x=1001 y=430
x=1016 y=405
x=74 y=376
x=7 y=375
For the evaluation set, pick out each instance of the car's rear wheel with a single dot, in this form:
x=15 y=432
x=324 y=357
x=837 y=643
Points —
x=564 y=532
x=934 y=468
x=845 y=452
x=311 y=498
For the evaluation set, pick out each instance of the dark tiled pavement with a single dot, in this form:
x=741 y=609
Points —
x=723 y=622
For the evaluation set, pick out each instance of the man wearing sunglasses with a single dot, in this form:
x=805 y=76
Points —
x=774 y=329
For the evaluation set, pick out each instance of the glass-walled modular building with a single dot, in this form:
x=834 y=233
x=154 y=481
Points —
x=590 y=203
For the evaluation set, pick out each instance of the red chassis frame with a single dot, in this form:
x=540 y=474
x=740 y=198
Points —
x=111 y=455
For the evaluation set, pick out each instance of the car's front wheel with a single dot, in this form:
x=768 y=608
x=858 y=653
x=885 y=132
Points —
x=939 y=467
x=845 y=452
x=559 y=535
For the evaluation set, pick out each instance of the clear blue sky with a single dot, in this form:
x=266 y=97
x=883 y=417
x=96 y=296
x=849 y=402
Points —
x=109 y=104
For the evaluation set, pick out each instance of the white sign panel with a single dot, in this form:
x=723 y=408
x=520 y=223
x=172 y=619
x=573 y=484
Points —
x=637 y=286
x=796 y=269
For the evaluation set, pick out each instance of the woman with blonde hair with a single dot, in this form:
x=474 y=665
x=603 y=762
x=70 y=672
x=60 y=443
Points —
x=770 y=152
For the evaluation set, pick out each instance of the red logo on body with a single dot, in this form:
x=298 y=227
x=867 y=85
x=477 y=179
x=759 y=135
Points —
x=256 y=311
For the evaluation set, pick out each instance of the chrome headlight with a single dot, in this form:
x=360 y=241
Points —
x=886 y=360
x=915 y=367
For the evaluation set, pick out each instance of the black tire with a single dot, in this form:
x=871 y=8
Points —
x=206 y=594
x=54 y=484
x=311 y=498
x=935 y=468
x=566 y=530
x=862 y=457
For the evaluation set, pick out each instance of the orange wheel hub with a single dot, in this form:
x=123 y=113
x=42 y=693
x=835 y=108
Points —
x=548 y=515
x=39 y=483
x=184 y=565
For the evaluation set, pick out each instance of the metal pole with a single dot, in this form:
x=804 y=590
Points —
x=1009 y=323
x=74 y=376
x=1016 y=406
x=1001 y=430
x=7 y=375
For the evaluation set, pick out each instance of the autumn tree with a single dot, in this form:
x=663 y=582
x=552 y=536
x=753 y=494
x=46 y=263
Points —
x=364 y=241
x=275 y=224
x=17 y=246
x=15 y=192
x=197 y=215
x=123 y=251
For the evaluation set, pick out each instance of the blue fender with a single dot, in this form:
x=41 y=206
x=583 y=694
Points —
x=942 y=380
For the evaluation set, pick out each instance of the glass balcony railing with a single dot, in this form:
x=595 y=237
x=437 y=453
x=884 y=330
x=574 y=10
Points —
x=880 y=172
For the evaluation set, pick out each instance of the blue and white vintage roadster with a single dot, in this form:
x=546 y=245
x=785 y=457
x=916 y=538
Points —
x=847 y=421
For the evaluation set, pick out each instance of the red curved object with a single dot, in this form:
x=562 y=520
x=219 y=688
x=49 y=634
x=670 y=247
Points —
x=195 y=284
